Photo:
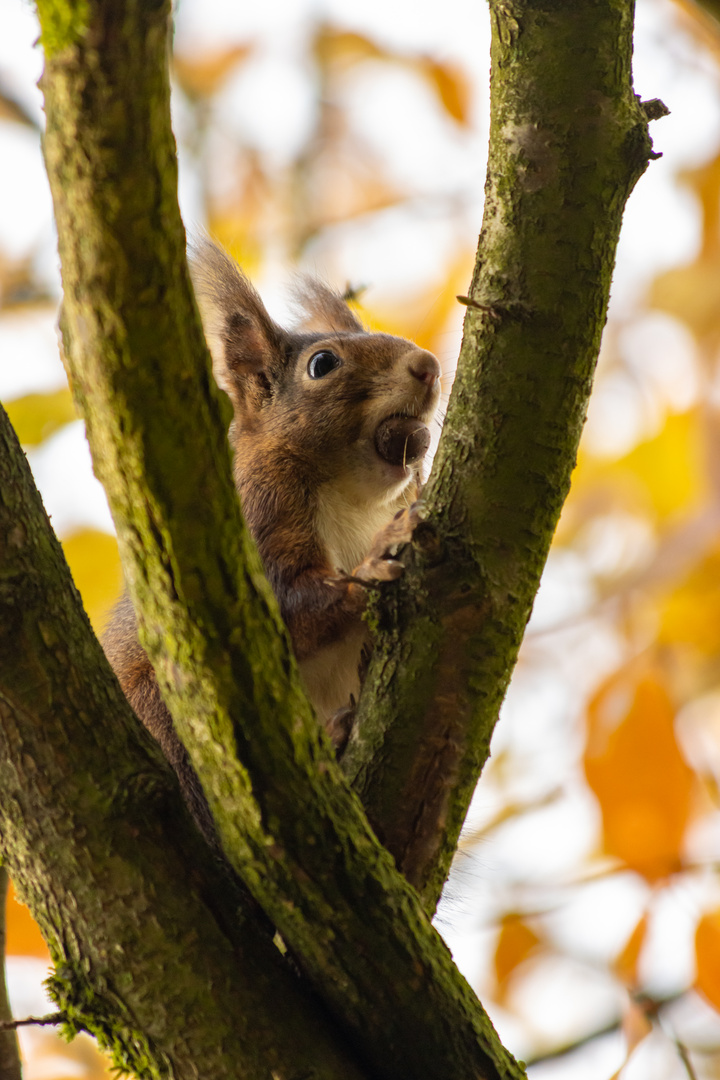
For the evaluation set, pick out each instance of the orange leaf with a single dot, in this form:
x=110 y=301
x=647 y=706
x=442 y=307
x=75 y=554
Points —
x=515 y=944
x=691 y=292
x=23 y=934
x=707 y=954
x=705 y=182
x=626 y=964
x=634 y=766
x=201 y=76
x=451 y=87
x=344 y=48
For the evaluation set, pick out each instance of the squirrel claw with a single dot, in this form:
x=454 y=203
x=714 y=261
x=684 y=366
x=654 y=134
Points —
x=340 y=725
x=380 y=564
x=396 y=533
x=378 y=568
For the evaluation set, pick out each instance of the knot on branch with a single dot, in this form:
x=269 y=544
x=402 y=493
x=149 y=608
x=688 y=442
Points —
x=654 y=109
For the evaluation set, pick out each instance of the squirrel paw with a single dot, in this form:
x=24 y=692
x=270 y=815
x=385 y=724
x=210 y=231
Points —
x=379 y=564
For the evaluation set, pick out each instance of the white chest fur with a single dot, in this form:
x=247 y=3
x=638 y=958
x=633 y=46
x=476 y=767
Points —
x=347 y=526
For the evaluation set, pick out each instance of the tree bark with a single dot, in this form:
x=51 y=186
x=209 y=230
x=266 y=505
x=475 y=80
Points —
x=156 y=951
x=139 y=368
x=9 y=1051
x=568 y=141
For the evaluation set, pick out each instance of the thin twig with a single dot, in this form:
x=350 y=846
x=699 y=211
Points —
x=49 y=1018
x=652 y=1008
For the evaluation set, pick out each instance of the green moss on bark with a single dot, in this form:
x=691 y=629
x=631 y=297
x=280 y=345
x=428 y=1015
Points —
x=139 y=368
x=64 y=23
x=158 y=952
x=568 y=141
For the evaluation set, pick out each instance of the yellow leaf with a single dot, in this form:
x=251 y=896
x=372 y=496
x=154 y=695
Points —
x=345 y=48
x=691 y=294
x=37 y=416
x=23 y=933
x=690 y=614
x=671 y=465
x=707 y=957
x=634 y=767
x=626 y=964
x=663 y=476
x=516 y=942
x=95 y=566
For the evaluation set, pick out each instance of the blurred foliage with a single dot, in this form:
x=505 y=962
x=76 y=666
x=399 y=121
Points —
x=631 y=755
x=636 y=771
x=651 y=748
x=23 y=936
x=94 y=561
x=36 y=417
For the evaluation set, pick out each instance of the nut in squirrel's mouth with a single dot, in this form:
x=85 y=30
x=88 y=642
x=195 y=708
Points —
x=402 y=440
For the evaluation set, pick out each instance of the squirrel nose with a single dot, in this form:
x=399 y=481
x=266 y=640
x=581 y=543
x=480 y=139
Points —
x=425 y=368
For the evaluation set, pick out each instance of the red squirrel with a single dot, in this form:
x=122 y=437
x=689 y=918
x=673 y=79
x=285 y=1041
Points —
x=329 y=433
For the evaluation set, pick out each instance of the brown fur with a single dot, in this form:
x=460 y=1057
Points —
x=323 y=506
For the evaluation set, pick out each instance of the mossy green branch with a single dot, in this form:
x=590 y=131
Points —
x=64 y=23
x=157 y=953
x=287 y=821
x=568 y=141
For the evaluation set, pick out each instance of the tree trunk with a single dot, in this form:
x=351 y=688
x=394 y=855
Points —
x=156 y=951
x=568 y=140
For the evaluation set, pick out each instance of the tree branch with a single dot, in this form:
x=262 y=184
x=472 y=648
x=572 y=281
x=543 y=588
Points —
x=208 y=618
x=156 y=951
x=49 y=1020
x=568 y=141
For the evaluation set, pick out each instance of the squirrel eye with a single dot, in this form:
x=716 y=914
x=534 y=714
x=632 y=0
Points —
x=322 y=363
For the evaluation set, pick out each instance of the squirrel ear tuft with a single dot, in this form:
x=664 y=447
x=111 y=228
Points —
x=242 y=338
x=323 y=309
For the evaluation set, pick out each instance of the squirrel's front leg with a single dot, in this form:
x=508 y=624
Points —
x=379 y=565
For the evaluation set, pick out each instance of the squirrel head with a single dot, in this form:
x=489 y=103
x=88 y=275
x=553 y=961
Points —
x=326 y=402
